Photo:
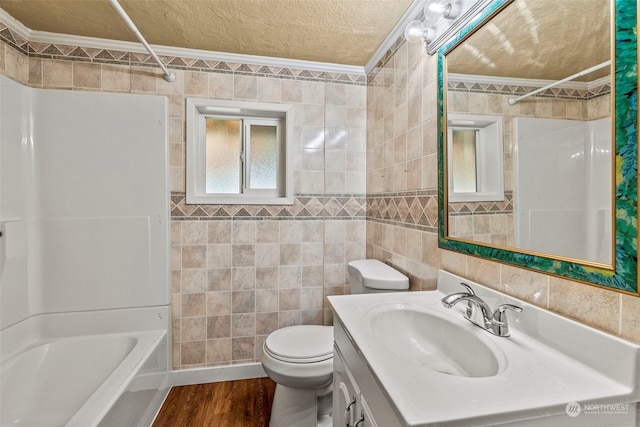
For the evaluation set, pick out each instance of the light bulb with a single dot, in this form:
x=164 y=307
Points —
x=429 y=35
x=438 y=9
x=434 y=11
x=453 y=10
x=414 y=32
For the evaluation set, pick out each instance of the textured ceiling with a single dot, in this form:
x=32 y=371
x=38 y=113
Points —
x=539 y=39
x=334 y=31
x=535 y=39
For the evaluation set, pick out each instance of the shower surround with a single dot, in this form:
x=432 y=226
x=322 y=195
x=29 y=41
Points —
x=84 y=257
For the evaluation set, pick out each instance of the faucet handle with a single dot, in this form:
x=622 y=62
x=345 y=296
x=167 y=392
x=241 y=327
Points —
x=500 y=314
x=470 y=311
x=499 y=324
x=468 y=288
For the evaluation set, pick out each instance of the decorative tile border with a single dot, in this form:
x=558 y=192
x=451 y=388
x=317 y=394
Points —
x=117 y=57
x=413 y=209
x=484 y=208
x=13 y=39
x=305 y=206
x=514 y=90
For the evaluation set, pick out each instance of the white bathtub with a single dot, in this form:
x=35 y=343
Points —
x=82 y=380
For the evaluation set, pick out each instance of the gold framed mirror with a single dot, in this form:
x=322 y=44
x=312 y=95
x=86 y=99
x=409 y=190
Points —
x=537 y=164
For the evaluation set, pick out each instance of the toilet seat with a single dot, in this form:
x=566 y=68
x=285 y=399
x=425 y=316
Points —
x=301 y=344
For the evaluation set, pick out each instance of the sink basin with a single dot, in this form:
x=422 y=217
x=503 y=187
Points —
x=420 y=364
x=430 y=339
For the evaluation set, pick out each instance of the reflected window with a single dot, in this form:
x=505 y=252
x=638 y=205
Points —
x=464 y=160
x=475 y=158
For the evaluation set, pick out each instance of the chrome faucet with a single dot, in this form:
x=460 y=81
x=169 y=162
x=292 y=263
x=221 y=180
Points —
x=450 y=300
x=479 y=313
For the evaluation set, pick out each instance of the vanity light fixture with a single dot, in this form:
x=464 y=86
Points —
x=440 y=19
x=433 y=12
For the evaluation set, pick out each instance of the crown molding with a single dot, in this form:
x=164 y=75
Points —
x=398 y=31
x=99 y=43
x=15 y=25
x=513 y=81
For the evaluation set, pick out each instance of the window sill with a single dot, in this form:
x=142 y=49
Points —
x=475 y=197
x=235 y=200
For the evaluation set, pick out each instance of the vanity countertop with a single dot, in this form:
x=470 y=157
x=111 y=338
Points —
x=546 y=363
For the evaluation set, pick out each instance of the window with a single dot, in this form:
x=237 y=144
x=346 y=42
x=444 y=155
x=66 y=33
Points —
x=464 y=174
x=474 y=158
x=239 y=152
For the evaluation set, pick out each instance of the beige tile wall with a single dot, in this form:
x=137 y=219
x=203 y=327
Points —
x=409 y=78
x=401 y=124
x=235 y=281
x=496 y=228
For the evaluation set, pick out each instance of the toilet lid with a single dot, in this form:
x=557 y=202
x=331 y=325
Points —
x=301 y=344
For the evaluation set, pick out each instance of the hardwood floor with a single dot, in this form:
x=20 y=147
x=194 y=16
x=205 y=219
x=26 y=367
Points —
x=244 y=403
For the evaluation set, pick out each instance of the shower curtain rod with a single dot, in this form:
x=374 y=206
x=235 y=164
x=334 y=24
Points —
x=514 y=101
x=168 y=75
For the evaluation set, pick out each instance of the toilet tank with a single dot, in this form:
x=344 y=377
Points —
x=371 y=275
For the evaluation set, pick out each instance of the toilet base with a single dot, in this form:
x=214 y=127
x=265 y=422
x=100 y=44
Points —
x=293 y=407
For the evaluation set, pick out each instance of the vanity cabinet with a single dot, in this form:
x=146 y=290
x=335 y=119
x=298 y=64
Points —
x=358 y=400
x=345 y=393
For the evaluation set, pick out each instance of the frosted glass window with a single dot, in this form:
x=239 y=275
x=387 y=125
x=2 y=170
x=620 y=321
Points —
x=464 y=161
x=263 y=156
x=239 y=152
x=223 y=148
x=243 y=155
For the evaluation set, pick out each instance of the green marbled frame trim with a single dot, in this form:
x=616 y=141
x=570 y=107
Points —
x=625 y=276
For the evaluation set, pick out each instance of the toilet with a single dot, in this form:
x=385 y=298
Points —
x=299 y=359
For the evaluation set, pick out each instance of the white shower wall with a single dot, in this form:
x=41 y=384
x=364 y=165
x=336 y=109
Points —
x=562 y=194
x=83 y=202
x=16 y=204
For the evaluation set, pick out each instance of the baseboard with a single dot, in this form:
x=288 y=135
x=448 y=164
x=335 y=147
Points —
x=216 y=374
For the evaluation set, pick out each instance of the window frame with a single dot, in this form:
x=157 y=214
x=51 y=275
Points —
x=198 y=110
x=246 y=156
x=489 y=157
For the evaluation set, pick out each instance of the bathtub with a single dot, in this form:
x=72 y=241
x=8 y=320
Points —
x=74 y=378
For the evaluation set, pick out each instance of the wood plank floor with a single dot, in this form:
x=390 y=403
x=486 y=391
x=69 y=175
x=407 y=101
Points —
x=243 y=403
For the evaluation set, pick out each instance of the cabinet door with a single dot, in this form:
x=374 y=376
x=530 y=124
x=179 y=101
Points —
x=344 y=394
x=365 y=414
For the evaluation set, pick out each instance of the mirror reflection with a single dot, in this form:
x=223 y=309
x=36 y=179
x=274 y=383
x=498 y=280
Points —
x=529 y=132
